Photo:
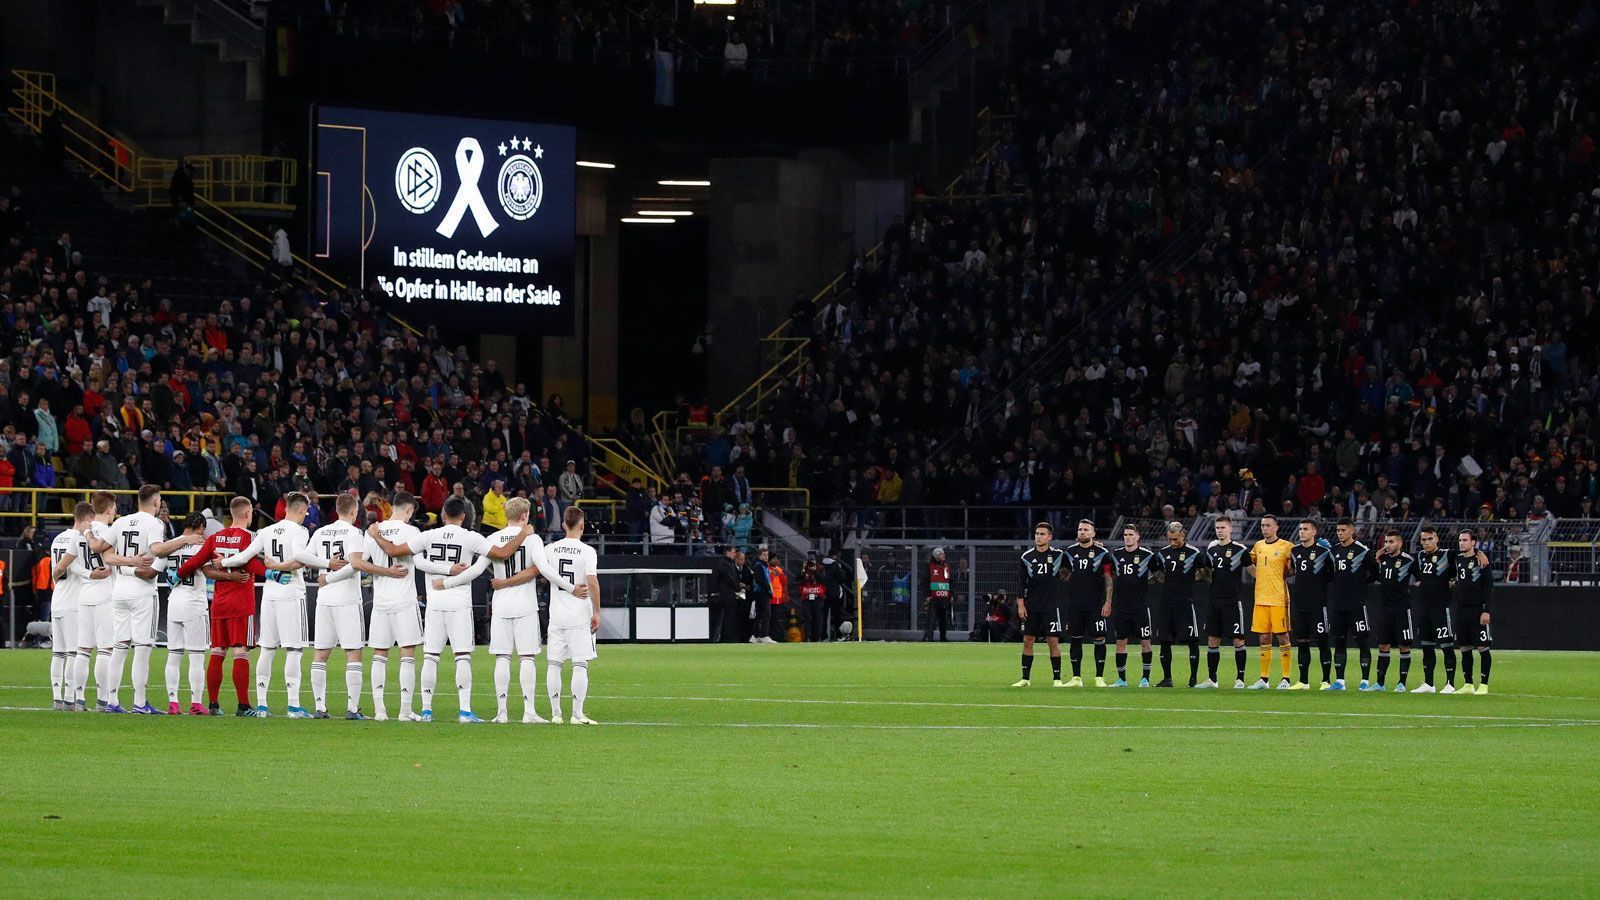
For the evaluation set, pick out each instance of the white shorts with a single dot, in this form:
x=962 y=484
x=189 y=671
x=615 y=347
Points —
x=283 y=624
x=94 y=627
x=64 y=632
x=339 y=626
x=193 y=635
x=440 y=625
x=574 y=642
x=134 y=621
x=402 y=627
x=519 y=635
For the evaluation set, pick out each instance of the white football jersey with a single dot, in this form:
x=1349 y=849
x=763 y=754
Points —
x=393 y=594
x=65 y=597
x=133 y=535
x=523 y=599
x=437 y=550
x=575 y=561
x=94 y=591
x=187 y=598
x=337 y=540
x=280 y=542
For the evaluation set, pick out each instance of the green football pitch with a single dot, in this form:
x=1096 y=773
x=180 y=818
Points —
x=821 y=769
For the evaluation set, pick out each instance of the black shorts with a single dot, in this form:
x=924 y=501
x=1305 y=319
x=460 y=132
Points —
x=1469 y=633
x=1225 y=620
x=1399 y=628
x=1043 y=622
x=1132 y=624
x=1177 y=623
x=1435 y=626
x=1085 y=624
x=1344 y=622
x=1308 y=624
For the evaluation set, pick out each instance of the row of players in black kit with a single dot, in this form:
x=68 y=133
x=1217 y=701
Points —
x=1324 y=585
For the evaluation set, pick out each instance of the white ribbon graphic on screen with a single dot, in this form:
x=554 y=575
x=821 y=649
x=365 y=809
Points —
x=469 y=165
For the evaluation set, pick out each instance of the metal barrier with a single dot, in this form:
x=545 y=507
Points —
x=264 y=183
x=38 y=506
x=37 y=107
x=950 y=523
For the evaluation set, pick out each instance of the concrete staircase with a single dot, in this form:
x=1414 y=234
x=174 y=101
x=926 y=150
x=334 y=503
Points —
x=223 y=28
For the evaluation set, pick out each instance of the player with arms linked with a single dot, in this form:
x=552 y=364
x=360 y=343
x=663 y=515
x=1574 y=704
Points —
x=1089 y=586
x=1227 y=560
x=1436 y=629
x=1311 y=568
x=1347 y=603
x=1471 y=584
x=1130 y=606
x=1177 y=621
x=1037 y=604
x=1397 y=571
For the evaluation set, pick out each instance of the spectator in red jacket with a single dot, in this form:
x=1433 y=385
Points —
x=434 y=489
x=76 y=431
x=1311 y=489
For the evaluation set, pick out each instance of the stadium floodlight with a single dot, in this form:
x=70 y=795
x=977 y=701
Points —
x=664 y=212
x=683 y=183
x=647 y=220
x=591 y=164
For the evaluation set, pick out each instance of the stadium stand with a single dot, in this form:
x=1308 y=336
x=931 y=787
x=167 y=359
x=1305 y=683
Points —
x=1259 y=259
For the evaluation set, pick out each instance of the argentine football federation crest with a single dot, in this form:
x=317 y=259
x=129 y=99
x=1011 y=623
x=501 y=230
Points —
x=416 y=180
x=521 y=187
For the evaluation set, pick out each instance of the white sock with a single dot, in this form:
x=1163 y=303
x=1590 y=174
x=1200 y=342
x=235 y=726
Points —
x=580 y=687
x=102 y=675
x=530 y=683
x=174 y=672
x=502 y=681
x=408 y=683
x=380 y=678
x=352 y=685
x=464 y=682
x=319 y=684
x=114 y=671
x=80 y=675
x=264 y=674
x=197 y=678
x=58 y=666
x=552 y=686
x=292 y=673
x=430 y=679
x=141 y=673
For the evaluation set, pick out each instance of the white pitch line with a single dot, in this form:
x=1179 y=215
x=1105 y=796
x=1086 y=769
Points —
x=1087 y=707
x=868 y=726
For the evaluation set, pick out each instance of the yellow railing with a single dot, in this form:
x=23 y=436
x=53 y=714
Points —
x=37 y=501
x=237 y=182
x=619 y=459
x=36 y=106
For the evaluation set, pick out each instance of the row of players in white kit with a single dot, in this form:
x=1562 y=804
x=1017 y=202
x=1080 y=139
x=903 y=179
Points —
x=452 y=555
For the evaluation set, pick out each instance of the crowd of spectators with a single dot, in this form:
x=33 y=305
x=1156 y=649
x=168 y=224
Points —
x=1263 y=257
x=104 y=384
x=608 y=30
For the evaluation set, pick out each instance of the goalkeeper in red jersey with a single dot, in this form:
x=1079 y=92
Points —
x=233 y=603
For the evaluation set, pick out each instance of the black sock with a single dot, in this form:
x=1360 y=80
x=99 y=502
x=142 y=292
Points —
x=1027 y=666
x=1145 y=656
x=1055 y=667
x=1466 y=666
x=1239 y=655
x=1326 y=655
x=1076 y=651
x=1213 y=659
x=1194 y=662
x=1449 y=665
x=1099 y=659
x=1383 y=665
x=1366 y=663
x=1341 y=655
x=1166 y=662
x=1305 y=662
x=1122 y=664
x=1487 y=659
x=1430 y=659
x=1405 y=665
